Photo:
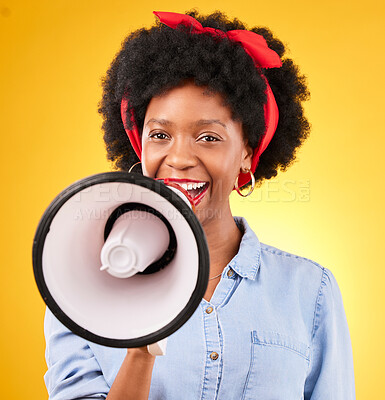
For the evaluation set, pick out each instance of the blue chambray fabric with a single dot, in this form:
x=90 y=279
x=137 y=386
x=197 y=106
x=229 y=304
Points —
x=278 y=326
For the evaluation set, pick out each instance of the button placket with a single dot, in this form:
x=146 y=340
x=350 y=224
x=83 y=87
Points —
x=210 y=310
x=213 y=350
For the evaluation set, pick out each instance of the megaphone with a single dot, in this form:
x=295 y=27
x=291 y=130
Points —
x=121 y=259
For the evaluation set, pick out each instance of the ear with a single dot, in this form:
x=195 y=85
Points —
x=247 y=155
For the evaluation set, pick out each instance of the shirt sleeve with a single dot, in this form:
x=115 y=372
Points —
x=331 y=374
x=73 y=371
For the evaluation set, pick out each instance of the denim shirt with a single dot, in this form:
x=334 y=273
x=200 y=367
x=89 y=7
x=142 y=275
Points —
x=274 y=329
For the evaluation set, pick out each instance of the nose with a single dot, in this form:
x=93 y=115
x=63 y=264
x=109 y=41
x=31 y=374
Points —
x=181 y=155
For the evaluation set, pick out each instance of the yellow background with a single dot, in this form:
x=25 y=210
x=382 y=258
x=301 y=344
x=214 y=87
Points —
x=328 y=206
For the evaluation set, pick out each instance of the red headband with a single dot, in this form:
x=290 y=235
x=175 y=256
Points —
x=263 y=57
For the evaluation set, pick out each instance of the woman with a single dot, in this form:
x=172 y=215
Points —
x=206 y=104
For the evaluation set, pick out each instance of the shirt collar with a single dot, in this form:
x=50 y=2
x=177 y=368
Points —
x=247 y=260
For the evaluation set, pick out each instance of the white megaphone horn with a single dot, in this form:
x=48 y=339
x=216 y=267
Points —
x=121 y=260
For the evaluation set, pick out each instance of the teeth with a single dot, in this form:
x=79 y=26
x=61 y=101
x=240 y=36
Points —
x=190 y=186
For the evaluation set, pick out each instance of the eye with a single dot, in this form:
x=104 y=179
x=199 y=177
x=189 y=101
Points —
x=209 y=138
x=158 y=135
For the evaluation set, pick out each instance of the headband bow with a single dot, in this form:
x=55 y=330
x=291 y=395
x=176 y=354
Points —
x=263 y=57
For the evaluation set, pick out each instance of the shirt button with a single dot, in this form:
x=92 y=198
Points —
x=230 y=273
x=209 y=310
x=214 y=355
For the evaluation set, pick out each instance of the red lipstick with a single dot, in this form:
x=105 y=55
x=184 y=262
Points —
x=194 y=189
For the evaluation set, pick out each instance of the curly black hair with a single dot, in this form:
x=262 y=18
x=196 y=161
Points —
x=152 y=61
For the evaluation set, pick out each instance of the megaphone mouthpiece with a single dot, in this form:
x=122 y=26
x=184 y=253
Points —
x=126 y=251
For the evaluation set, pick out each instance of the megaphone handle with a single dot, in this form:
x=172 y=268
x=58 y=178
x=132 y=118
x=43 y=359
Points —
x=158 y=348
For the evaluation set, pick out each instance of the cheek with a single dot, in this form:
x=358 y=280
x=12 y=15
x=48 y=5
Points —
x=231 y=164
x=149 y=162
x=224 y=174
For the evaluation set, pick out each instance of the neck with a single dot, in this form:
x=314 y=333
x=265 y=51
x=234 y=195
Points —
x=223 y=239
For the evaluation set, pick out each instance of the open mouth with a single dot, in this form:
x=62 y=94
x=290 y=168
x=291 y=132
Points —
x=193 y=189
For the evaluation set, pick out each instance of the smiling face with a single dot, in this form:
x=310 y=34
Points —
x=190 y=138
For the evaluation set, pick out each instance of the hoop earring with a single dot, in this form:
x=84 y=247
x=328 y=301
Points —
x=252 y=185
x=132 y=166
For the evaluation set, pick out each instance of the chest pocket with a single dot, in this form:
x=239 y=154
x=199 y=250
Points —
x=278 y=365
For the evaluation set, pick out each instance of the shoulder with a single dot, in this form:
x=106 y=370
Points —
x=313 y=280
x=275 y=262
x=273 y=257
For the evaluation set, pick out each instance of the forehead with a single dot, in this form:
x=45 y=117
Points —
x=188 y=102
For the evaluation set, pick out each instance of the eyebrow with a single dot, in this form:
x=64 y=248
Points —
x=201 y=122
x=160 y=121
x=209 y=122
